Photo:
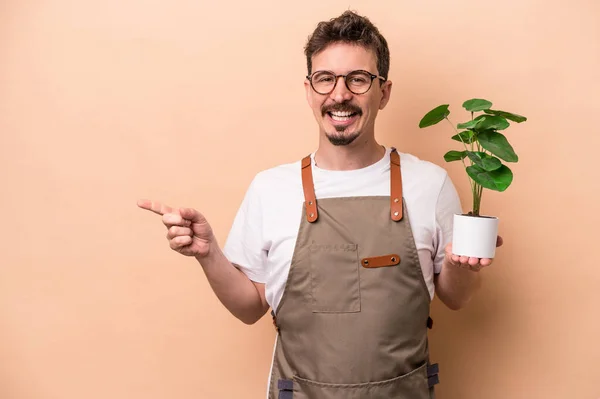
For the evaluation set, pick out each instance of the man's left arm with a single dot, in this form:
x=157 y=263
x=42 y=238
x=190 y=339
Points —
x=456 y=278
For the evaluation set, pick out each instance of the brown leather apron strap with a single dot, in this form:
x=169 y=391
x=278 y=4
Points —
x=395 y=186
x=310 y=199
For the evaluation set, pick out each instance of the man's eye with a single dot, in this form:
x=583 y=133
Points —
x=325 y=79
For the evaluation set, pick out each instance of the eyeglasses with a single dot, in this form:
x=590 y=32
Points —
x=358 y=82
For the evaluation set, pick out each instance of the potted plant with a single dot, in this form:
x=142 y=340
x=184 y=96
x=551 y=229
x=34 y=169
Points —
x=485 y=148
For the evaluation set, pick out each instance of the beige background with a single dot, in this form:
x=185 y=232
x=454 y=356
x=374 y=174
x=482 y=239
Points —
x=104 y=102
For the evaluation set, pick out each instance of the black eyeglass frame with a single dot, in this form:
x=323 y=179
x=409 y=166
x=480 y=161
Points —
x=337 y=77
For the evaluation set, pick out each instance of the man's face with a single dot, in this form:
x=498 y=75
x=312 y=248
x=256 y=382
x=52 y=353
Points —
x=342 y=115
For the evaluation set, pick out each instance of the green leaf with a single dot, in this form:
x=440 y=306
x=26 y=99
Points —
x=497 y=180
x=451 y=156
x=467 y=137
x=468 y=125
x=493 y=122
x=476 y=104
x=473 y=124
x=497 y=144
x=484 y=161
x=434 y=116
x=507 y=115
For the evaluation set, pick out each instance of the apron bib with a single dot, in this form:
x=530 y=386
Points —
x=352 y=321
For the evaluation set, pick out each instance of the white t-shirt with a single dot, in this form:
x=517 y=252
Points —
x=263 y=235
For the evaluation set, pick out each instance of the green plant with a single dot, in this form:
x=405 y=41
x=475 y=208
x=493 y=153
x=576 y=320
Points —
x=485 y=147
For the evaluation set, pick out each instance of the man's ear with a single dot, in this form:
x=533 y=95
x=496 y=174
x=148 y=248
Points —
x=308 y=90
x=386 y=92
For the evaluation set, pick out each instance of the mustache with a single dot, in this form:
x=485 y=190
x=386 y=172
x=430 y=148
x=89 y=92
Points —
x=343 y=107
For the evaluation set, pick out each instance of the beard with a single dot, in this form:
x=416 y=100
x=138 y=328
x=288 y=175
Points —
x=339 y=137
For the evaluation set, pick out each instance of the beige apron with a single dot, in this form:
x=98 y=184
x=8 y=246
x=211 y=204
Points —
x=352 y=322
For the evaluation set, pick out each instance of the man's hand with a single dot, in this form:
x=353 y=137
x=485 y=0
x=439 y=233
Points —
x=188 y=232
x=474 y=264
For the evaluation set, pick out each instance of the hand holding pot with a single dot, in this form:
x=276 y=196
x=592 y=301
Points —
x=474 y=264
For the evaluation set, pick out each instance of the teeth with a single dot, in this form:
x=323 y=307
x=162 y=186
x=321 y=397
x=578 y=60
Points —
x=339 y=118
x=341 y=114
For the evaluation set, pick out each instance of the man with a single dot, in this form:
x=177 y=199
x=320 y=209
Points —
x=347 y=246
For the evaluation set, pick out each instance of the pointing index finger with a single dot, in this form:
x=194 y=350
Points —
x=154 y=206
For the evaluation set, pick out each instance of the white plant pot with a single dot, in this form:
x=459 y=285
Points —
x=475 y=236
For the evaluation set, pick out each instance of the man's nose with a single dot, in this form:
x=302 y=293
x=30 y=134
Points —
x=340 y=93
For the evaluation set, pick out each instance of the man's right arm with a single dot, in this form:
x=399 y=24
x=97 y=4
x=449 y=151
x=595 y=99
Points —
x=190 y=234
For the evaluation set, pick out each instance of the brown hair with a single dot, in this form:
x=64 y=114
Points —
x=349 y=28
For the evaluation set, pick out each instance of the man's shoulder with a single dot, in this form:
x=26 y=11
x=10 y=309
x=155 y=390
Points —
x=281 y=178
x=414 y=165
x=422 y=178
x=279 y=173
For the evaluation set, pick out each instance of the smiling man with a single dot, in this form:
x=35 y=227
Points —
x=347 y=246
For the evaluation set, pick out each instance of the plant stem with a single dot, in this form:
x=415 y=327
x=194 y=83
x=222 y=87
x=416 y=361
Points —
x=479 y=195
x=476 y=200
x=461 y=140
x=472 y=183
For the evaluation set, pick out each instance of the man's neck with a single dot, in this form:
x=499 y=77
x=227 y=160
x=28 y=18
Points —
x=349 y=157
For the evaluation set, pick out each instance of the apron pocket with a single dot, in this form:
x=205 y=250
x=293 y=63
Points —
x=334 y=275
x=408 y=386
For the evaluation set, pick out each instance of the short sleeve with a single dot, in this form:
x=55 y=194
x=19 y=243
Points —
x=244 y=245
x=447 y=205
